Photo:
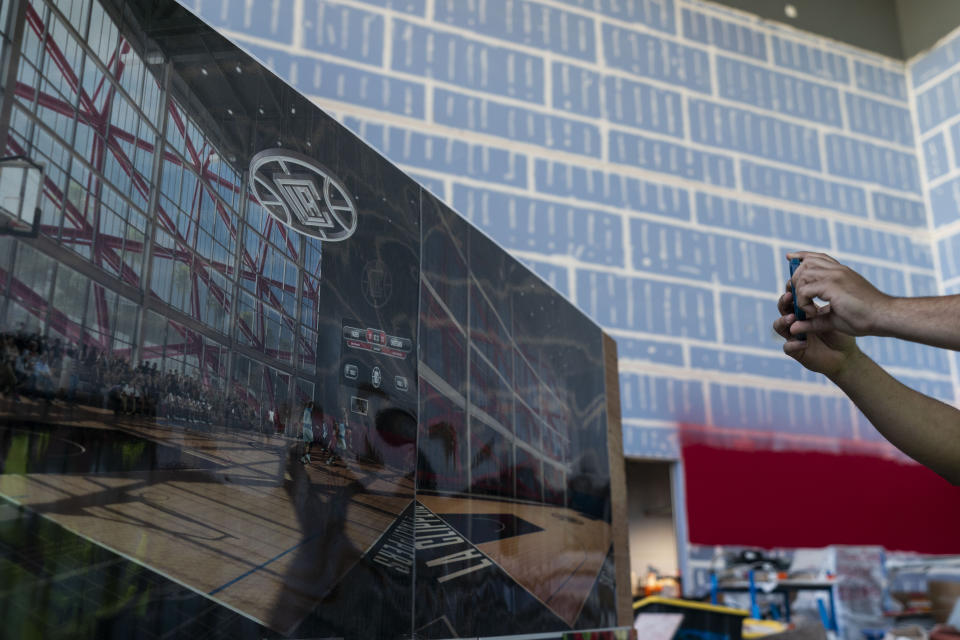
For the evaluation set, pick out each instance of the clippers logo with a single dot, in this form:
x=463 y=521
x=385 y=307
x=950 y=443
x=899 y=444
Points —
x=301 y=193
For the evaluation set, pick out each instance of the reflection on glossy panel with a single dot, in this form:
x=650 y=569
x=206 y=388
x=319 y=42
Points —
x=512 y=465
x=215 y=423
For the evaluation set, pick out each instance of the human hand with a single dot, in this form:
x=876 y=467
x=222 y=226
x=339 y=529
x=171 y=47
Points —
x=853 y=304
x=829 y=352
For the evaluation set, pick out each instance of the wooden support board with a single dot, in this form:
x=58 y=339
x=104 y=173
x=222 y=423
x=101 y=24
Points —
x=618 y=483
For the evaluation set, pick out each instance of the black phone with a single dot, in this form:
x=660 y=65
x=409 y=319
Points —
x=797 y=311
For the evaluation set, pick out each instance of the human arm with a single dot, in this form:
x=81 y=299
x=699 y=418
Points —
x=857 y=308
x=924 y=428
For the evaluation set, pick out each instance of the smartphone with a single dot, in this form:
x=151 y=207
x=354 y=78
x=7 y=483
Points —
x=797 y=311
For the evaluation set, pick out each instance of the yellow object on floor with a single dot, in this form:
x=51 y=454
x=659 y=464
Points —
x=759 y=628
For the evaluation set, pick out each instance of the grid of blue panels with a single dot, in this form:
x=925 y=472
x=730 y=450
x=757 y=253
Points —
x=653 y=160
x=935 y=78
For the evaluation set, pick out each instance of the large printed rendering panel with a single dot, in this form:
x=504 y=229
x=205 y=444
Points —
x=255 y=381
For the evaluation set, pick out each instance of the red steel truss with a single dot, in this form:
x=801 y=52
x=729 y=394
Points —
x=80 y=226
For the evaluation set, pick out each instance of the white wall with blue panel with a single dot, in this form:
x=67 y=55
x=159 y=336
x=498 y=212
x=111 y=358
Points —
x=934 y=80
x=654 y=161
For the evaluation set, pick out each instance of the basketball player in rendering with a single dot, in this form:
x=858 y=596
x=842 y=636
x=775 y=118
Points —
x=307 y=431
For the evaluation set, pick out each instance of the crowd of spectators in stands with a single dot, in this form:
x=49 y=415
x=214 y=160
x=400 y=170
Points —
x=51 y=369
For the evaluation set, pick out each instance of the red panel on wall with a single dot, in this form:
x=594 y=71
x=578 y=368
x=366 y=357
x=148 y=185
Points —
x=809 y=499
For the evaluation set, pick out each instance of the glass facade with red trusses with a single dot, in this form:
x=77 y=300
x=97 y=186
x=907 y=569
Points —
x=172 y=261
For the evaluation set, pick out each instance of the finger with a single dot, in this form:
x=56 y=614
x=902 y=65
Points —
x=806 y=284
x=821 y=323
x=807 y=291
x=782 y=325
x=808 y=311
x=809 y=327
x=785 y=304
x=817 y=274
x=811 y=271
x=797 y=276
x=820 y=274
x=805 y=294
x=816 y=265
x=794 y=348
x=809 y=255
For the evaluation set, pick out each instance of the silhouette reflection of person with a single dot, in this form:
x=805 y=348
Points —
x=397 y=429
x=325 y=569
x=589 y=486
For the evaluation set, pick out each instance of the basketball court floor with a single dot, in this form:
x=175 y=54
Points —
x=553 y=552
x=230 y=515
x=236 y=519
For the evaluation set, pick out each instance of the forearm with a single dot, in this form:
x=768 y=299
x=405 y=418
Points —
x=925 y=429
x=933 y=321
